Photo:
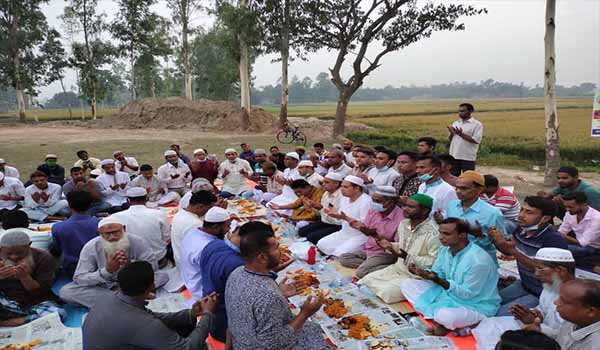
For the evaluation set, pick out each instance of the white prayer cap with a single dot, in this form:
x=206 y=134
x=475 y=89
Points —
x=554 y=255
x=170 y=153
x=230 y=150
x=116 y=152
x=109 y=220
x=355 y=180
x=386 y=191
x=216 y=214
x=293 y=155
x=107 y=162
x=134 y=192
x=14 y=238
x=1 y=176
x=51 y=156
x=334 y=176
x=306 y=163
x=96 y=172
x=259 y=151
x=199 y=150
x=2 y=161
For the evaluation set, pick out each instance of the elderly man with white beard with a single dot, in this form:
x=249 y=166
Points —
x=26 y=276
x=554 y=267
x=101 y=259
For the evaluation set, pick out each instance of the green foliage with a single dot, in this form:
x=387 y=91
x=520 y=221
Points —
x=241 y=25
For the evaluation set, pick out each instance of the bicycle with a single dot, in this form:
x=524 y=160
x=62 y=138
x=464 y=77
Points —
x=291 y=134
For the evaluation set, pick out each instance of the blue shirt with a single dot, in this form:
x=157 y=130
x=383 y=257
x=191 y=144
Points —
x=487 y=216
x=472 y=277
x=549 y=237
x=71 y=235
x=190 y=266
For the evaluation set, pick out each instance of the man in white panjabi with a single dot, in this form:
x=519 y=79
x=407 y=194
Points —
x=290 y=174
x=557 y=266
x=416 y=242
x=306 y=169
x=115 y=185
x=354 y=205
x=234 y=171
x=42 y=198
x=127 y=165
x=158 y=193
x=175 y=173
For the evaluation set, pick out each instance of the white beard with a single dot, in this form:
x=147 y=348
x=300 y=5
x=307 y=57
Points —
x=28 y=260
x=110 y=248
x=555 y=285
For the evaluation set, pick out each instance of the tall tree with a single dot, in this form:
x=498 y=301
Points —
x=183 y=11
x=352 y=26
x=22 y=29
x=93 y=53
x=552 y=137
x=57 y=62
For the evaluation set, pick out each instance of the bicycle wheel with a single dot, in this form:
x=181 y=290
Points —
x=300 y=138
x=285 y=136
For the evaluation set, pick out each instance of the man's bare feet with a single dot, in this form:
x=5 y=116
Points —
x=13 y=322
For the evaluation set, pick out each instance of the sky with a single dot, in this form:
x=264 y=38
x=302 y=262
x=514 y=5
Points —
x=506 y=44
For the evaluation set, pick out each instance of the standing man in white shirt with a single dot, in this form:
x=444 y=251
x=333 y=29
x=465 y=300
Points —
x=428 y=171
x=11 y=193
x=175 y=173
x=150 y=224
x=465 y=137
x=126 y=164
x=115 y=185
x=42 y=199
x=234 y=171
x=8 y=170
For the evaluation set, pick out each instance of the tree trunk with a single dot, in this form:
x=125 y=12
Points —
x=153 y=88
x=62 y=85
x=285 y=55
x=133 y=92
x=340 y=113
x=244 y=76
x=93 y=106
x=187 y=75
x=552 y=136
x=20 y=104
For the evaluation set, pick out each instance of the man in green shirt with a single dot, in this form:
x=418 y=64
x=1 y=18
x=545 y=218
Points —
x=568 y=183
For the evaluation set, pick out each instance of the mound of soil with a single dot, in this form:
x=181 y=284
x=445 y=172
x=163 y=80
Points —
x=179 y=113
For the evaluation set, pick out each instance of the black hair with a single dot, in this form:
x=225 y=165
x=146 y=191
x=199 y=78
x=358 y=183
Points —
x=75 y=169
x=243 y=144
x=491 y=181
x=591 y=292
x=38 y=173
x=435 y=161
x=145 y=167
x=135 y=278
x=391 y=155
x=254 y=243
x=81 y=151
x=578 y=196
x=379 y=148
x=203 y=197
x=430 y=141
x=269 y=165
x=412 y=155
x=366 y=150
x=571 y=170
x=461 y=225
x=14 y=219
x=446 y=158
x=80 y=201
x=546 y=205
x=253 y=226
x=469 y=106
x=270 y=149
x=526 y=340
x=319 y=144
x=300 y=183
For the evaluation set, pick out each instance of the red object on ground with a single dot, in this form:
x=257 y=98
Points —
x=312 y=255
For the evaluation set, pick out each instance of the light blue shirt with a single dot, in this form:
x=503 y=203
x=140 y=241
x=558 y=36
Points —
x=487 y=216
x=189 y=263
x=472 y=278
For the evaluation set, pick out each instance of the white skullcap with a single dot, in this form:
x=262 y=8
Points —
x=1 y=176
x=355 y=180
x=199 y=150
x=259 y=151
x=293 y=155
x=386 y=191
x=51 y=156
x=116 y=152
x=334 y=176
x=107 y=162
x=170 y=153
x=136 y=192
x=230 y=150
x=554 y=255
x=216 y=214
x=96 y=172
x=109 y=220
x=306 y=163
x=14 y=238
x=2 y=161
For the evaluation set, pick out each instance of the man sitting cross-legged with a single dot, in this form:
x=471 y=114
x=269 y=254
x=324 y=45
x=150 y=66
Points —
x=460 y=289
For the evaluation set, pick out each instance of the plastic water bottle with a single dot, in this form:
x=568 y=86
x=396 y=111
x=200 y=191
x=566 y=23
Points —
x=418 y=324
x=462 y=332
x=312 y=255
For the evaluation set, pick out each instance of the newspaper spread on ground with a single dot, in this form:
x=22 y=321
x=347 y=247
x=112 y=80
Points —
x=418 y=343
x=48 y=331
x=167 y=302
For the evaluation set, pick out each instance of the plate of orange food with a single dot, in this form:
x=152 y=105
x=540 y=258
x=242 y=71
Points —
x=25 y=346
x=335 y=308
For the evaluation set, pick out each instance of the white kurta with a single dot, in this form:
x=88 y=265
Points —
x=441 y=192
x=168 y=170
x=348 y=239
x=10 y=171
x=332 y=201
x=118 y=196
x=235 y=182
x=287 y=195
x=13 y=187
x=183 y=222
x=130 y=161
x=314 y=179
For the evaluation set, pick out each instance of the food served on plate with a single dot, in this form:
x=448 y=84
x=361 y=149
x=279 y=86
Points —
x=335 y=308
x=44 y=228
x=173 y=211
x=381 y=345
x=309 y=277
x=284 y=253
x=358 y=326
x=27 y=346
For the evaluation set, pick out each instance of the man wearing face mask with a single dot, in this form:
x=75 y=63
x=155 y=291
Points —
x=307 y=171
x=428 y=171
x=382 y=222
x=535 y=231
x=384 y=173
x=201 y=166
x=55 y=172
x=234 y=171
x=215 y=226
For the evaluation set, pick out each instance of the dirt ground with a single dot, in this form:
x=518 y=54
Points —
x=24 y=146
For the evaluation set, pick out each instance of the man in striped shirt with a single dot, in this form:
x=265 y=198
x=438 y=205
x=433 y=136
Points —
x=501 y=198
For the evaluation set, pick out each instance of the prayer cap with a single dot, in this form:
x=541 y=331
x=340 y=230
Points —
x=293 y=155
x=355 y=180
x=386 y=191
x=96 y=172
x=107 y=162
x=422 y=199
x=134 y=192
x=259 y=151
x=170 y=153
x=109 y=220
x=306 y=163
x=199 y=150
x=14 y=238
x=554 y=255
x=200 y=183
x=135 y=278
x=334 y=176
x=1 y=176
x=116 y=152
x=2 y=161
x=216 y=214
x=474 y=176
x=51 y=156
x=230 y=150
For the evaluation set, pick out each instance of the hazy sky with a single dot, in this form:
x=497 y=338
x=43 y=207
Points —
x=506 y=44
